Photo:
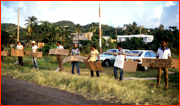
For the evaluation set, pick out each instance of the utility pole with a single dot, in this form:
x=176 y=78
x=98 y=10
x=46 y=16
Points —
x=116 y=33
x=100 y=28
x=140 y=31
x=18 y=26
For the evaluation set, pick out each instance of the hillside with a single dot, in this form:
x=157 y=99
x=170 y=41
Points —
x=10 y=27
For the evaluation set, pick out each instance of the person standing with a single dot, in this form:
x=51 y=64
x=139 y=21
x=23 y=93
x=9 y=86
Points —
x=163 y=53
x=34 y=59
x=92 y=57
x=20 y=47
x=74 y=52
x=120 y=51
x=59 y=57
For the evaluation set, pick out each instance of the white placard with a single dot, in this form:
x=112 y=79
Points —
x=119 y=62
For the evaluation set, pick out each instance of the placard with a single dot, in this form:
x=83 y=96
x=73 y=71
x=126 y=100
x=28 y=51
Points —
x=3 y=53
x=160 y=63
x=119 y=62
x=74 y=58
x=35 y=54
x=15 y=52
x=94 y=66
x=40 y=45
x=59 y=51
x=27 y=52
x=130 y=66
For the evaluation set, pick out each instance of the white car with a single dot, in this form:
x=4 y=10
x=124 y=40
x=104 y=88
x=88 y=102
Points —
x=109 y=59
x=137 y=55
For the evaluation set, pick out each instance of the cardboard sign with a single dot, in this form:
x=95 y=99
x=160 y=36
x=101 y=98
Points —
x=40 y=45
x=119 y=62
x=59 y=51
x=35 y=54
x=130 y=66
x=27 y=52
x=113 y=53
x=3 y=53
x=94 y=66
x=74 y=58
x=160 y=63
x=15 y=52
x=132 y=54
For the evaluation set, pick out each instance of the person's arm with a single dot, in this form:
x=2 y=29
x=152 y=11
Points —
x=169 y=54
x=22 y=48
x=99 y=58
x=157 y=56
x=78 y=52
x=87 y=58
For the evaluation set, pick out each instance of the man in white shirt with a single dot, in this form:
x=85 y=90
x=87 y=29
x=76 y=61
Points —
x=119 y=52
x=20 y=47
x=163 y=53
x=59 y=57
x=34 y=59
x=74 y=52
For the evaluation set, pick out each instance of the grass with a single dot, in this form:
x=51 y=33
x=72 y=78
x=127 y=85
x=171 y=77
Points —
x=104 y=87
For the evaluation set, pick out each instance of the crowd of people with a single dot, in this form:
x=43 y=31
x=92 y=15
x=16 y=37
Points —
x=162 y=53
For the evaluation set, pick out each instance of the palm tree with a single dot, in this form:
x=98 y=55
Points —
x=93 y=28
x=78 y=28
x=30 y=25
x=161 y=26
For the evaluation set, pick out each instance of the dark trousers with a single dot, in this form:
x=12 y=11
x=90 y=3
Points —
x=20 y=60
x=77 y=66
x=165 y=76
x=92 y=73
x=121 y=73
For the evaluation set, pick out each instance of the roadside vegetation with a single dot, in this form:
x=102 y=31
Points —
x=105 y=87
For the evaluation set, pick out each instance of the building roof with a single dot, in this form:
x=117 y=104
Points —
x=130 y=36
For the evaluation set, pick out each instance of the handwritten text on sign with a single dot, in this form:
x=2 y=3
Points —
x=160 y=63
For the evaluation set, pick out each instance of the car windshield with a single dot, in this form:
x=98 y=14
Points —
x=111 y=51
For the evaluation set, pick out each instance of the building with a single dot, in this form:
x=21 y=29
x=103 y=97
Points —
x=146 y=38
x=113 y=40
x=81 y=36
x=106 y=37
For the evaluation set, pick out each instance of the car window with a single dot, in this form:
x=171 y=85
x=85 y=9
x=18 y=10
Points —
x=137 y=52
x=147 y=54
x=111 y=50
x=152 y=54
x=126 y=51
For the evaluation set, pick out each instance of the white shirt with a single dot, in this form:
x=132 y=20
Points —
x=75 y=51
x=93 y=55
x=164 y=54
x=34 y=48
x=60 y=47
x=19 y=47
x=121 y=51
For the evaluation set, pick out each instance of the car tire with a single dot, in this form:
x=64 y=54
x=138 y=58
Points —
x=106 y=63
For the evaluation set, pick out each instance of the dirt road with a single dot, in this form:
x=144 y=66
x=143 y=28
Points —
x=18 y=92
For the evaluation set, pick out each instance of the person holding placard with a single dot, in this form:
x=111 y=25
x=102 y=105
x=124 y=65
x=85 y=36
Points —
x=59 y=57
x=34 y=59
x=92 y=57
x=20 y=47
x=119 y=52
x=163 y=53
x=74 y=52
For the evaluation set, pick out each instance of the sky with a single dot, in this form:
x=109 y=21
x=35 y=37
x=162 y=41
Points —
x=149 y=14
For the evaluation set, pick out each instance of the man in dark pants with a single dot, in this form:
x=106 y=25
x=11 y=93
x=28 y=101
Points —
x=59 y=57
x=163 y=53
x=119 y=52
x=20 y=59
x=92 y=58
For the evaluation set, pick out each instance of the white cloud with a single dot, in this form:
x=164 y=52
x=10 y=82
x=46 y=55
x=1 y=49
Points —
x=139 y=4
x=169 y=3
x=22 y=5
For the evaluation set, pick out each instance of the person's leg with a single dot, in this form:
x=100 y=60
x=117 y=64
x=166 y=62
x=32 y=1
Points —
x=73 y=67
x=115 y=72
x=19 y=60
x=92 y=73
x=35 y=60
x=159 y=77
x=166 y=77
x=121 y=74
x=97 y=73
x=60 y=61
x=77 y=66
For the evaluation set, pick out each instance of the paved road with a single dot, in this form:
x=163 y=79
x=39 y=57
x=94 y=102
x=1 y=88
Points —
x=18 y=92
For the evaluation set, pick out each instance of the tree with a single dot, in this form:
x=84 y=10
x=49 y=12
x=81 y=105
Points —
x=30 y=25
x=78 y=28
x=135 y=24
x=161 y=26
